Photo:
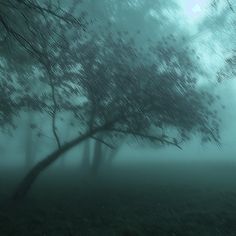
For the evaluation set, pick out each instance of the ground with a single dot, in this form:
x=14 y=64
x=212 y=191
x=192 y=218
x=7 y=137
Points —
x=161 y=199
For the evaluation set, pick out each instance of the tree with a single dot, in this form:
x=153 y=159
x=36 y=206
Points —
x=115 y=88
x=128 y=93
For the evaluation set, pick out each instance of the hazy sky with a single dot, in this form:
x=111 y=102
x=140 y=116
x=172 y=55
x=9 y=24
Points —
x=194 y=10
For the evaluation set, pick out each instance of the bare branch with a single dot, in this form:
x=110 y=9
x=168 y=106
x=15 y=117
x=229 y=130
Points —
x=27 y=45
x=104 y=142
x=230 y=6
x=146 y=136
x=53 y=10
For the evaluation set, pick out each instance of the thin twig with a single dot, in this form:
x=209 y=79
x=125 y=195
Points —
x=146 y=136
x=230 y=6
x=104 y=142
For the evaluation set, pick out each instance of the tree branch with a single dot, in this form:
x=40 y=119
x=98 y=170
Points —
x=57 y=12
x=230 y=6
x=105 y=143
x=145 y=136
x=26 y=44
x=55 y=108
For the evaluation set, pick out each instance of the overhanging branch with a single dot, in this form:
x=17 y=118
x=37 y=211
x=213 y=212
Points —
x=145 y=136
x=104 y=142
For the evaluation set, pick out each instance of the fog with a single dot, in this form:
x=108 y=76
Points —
x=117 y=118
x=192 y=15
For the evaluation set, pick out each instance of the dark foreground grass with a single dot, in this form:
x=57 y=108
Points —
x=174 y=199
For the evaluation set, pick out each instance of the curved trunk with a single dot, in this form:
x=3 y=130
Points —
x=30 y=178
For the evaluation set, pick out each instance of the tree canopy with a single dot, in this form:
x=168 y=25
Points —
x=108 y=79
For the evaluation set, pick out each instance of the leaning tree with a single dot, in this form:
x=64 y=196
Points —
x=118 y=90
x=114 y=87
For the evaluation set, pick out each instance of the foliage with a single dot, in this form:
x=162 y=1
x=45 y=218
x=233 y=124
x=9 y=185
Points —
x=103 y=76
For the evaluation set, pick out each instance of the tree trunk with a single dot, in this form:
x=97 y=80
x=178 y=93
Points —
x=29 y=149
x=112 y=155
x=97 y=157
x=30 y=178
x=85 y=163
x=66 y=136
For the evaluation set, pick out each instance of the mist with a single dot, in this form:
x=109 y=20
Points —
x=117 y=118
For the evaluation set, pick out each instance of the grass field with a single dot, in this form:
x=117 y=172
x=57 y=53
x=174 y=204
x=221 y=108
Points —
x=166 y=198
